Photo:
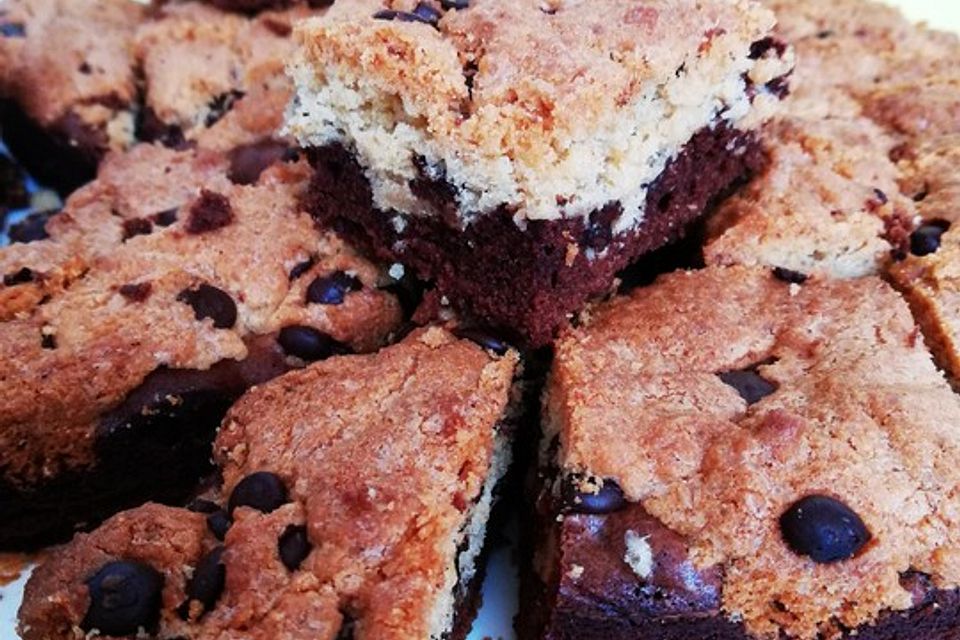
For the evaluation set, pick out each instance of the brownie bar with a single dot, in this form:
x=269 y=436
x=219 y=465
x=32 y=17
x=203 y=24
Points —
x=521 y=183
x=322 y=527
x=586 y=591
x=747 y=453
x=524 y=283
x=143 y=310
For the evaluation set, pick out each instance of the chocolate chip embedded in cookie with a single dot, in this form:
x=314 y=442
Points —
x=522 y=183
x=121 y=351
x=751 y=459
x=334 y=526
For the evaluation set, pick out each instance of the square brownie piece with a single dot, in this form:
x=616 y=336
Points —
x=742 y=453
x=520 y=153
x=355 y=500
x=153 y=303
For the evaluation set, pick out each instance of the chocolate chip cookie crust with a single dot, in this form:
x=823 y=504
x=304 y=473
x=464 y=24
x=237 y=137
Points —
x=520 y=153
x=333 y=529
x=685 y=424
x=149 y=309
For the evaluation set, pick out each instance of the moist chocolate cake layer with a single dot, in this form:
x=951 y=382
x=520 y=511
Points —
x=155 y=445
x=525 y=282
x=63 y=157
x=586 y=591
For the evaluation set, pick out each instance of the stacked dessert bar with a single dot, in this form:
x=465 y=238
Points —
x=274 y=362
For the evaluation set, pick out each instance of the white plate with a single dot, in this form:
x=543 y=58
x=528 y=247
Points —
x=500 y=588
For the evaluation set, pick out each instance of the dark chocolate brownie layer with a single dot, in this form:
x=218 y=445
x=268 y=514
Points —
x=585 y=590
x=526 y=282
x=155 y=445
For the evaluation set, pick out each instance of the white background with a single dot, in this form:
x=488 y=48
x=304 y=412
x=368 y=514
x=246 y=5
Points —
x=500 y=589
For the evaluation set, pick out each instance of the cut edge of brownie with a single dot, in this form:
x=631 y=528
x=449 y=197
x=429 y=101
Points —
x=676 y=601
x=63 y=156
x=156 y=444
x=525 y=283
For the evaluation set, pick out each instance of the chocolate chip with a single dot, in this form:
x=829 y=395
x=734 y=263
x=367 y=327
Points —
x=124 y=597
x=32 y=228
x=263 y=491
x=248 y=161
x=483 y=339
x=302 y=267
x=309 y=344
x=210 y=302
x=751 y=386
x=293 y=546
x=136 y=227
x=137 y=291
x=332 y=288
x=422 y=13
x=21 y=276
x=219 y=523
x=759 y=48
x=48 y=341
x=13 y=30
x=824 y=529
x=454 y=4
x=926 y=238
x=199 y=505
x=165 y=218
x=211 y=211
x=150 y=128
x=219 y=106
x=789 y=275
x=607 y=499
x=207 y=583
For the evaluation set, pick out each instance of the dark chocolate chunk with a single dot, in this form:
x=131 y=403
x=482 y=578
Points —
x=13 y=30
x=751 y=386
x=293 y=546
x=21 y=276
x=926 y=238
x=124 y=597
x=422 y=13
x=207 y=582
x=150 y=128
x=248 y=161
x=219 y=523
x=136 y=291
x=824 y=529
x=136 y=227
x=48 y=341
x=199 y=505
x=454 y=4
x=483 y=339
x=760 y=48
x=332 y=288
x=210 y=212
x=302 y=267
x=607 y=499
x=789 y=275
x=309 y=344
x=210 y=302
x=165 y=218
x=263 y=491
x=220 y=105
x=32 y=228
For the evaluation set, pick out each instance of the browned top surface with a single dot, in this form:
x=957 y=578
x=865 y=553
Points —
x=860 y=413
x=107 y=342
